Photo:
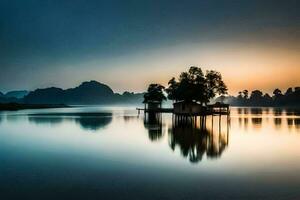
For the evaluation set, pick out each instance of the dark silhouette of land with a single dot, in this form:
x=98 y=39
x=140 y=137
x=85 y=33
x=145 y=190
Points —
x=88 y=93
x=192 y=85
x=257 y=98
x=196 y=86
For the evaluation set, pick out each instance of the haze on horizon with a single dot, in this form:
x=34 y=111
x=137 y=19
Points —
x=129 y=44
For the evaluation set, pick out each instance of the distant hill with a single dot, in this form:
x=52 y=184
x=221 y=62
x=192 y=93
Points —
x=91 y=92
x=19 y=94
x=257 y=98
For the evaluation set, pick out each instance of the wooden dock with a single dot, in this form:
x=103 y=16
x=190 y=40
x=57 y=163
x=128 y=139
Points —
x=209 y=110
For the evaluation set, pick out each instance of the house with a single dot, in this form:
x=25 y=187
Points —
x=188 y=108
x=152 y=105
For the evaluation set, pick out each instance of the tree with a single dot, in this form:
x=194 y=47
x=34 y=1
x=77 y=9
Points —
x=194 y=86
x=154 y=93
x=214 y=84
x=246 y=94
x=172 y=89
x=277 y=96
x=256 y=97
x=277 y=93
x=289 y=91
x=240 y=96
x=267 y=100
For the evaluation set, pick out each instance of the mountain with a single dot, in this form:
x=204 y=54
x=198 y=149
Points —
x=19 y=94
x=45 y=96
x=1 y=94
x=91 y=92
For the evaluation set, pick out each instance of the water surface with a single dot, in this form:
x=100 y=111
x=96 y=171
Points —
x=112 y=153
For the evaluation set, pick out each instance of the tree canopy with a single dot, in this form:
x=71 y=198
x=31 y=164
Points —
x=154 y=93
x=194 y=85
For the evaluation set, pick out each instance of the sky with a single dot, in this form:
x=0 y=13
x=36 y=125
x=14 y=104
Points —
x=128 y=44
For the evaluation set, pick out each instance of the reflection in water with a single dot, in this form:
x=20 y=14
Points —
x=297 y=123
x=259 y=117
x=246 y=122
x=45 y=120
x=240 y=121
x=290 y=123
x=93 y=123
x=277 y=111
x=255 y=111
x=128 y=118
x=153 y=123
x=256 y=121
x=89 y=121
x=194 y=142
x=277 y=122
x=31 y=161
x=292 y=111
x=239 y=110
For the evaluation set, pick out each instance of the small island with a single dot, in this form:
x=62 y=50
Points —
x=191 y=94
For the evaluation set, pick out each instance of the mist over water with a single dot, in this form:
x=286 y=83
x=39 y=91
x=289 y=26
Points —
x=111 y=152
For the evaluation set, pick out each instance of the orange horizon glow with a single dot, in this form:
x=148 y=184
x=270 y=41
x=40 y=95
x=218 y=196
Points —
x=254 y=67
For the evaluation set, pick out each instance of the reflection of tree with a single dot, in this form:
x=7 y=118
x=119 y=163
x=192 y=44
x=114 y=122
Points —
x=240 y=121
x=153 y=123
x=277 y=111
x=277 y=122
x=257 y=121
x=195 y=142
x=91 y=121
x=297 y=123
x=52 y=120
x=246 y=122
x=290 y=122
x=256 y=111
x=240 y=110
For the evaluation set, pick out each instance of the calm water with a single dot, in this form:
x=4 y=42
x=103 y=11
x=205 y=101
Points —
x=111 y=153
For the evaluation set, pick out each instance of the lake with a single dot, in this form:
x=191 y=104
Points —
x=112 y=153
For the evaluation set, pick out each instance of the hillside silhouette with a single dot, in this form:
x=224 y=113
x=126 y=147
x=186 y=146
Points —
x=89 y=92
